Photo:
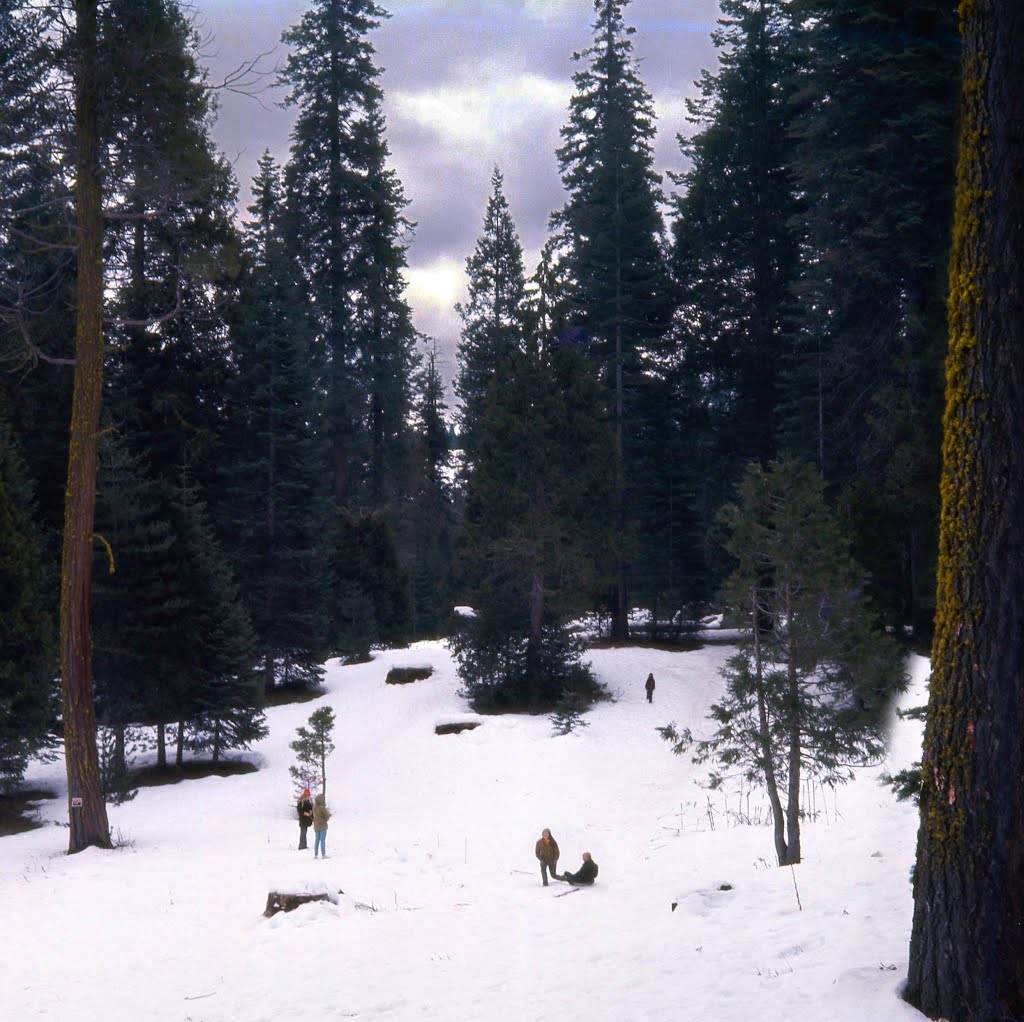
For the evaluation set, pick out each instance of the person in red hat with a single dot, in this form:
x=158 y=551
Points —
x=305 y=817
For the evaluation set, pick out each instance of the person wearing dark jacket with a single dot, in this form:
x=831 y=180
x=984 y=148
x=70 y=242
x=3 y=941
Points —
x=649 y=687
x=546 y=850
x=305 y=817
x=586 y=874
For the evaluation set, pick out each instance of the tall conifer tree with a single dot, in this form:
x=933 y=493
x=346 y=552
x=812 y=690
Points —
x=611 y=226
x=874 y=129
x=493 y=315
x=966 y=960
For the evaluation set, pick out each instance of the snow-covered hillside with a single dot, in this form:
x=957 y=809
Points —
x=443 y=916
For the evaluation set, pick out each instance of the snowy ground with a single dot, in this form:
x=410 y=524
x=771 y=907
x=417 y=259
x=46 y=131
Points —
x=444 y=918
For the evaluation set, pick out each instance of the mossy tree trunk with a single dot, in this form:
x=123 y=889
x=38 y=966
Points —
x=967 y=942
x=87 y=810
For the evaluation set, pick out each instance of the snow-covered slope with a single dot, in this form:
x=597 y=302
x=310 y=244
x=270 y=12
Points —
x=443 y=916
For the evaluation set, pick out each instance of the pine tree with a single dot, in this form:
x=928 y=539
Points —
x=808 y=693
x=273 y=517
x=36 y=267
x=621 y=295
x=428 y=514
x=312 y=747
x=493 y=315
x=533 y=534
x=874 y=128
x=965 y=944
x=736 y=255
x=28 y=662
x=345 y=209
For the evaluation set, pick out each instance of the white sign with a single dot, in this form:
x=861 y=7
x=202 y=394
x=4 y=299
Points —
x=76 y=803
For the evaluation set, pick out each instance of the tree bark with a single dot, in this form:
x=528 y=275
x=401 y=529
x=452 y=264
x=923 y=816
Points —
x=967 y=941
x=86 y=808
x=771 y=781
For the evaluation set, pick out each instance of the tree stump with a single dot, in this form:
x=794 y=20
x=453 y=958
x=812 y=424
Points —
x=278 y=901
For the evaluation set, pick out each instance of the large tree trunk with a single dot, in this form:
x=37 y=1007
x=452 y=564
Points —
x=967 y=942
x=87 y=810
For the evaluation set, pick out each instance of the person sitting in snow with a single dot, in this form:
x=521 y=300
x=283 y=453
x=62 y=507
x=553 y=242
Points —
x=305 y=817
x=546 y=850
x=586 y=874
x=321 y=814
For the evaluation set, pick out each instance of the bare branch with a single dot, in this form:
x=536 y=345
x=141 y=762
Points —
x=155 y=320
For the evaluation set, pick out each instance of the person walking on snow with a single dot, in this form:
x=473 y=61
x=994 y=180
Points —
x=546 y=850
x=321 y=814
x=649 y=687
x=305 y=817
x=586 y=874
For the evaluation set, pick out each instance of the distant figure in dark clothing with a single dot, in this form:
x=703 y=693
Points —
x=305 y=817
x=546 y=850
x=586 y=874
x=649 y=687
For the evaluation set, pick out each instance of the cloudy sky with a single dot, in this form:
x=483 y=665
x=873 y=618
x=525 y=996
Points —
x=468 y=84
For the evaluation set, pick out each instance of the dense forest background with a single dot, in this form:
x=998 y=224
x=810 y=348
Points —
x=282 y=477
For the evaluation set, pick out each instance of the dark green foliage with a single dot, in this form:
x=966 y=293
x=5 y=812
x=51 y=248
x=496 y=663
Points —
x=493 y=316
x=874 y=158
x=28 y=665
x=535 y=529
x=428 y=518
x=735 y=255
x=618 y=287
x=115 y=765
x=345 y=209
x=36 y=270
x=568 y=713
x=367 y=601
x=272 y=517
x=312 y=747
x=809 y=691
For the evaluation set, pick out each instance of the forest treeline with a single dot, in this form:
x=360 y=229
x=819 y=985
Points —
x=277 y=480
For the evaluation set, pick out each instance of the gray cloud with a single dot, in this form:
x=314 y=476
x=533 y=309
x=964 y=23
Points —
x=468 y=84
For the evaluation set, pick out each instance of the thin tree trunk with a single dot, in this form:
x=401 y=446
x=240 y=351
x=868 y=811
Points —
x=86 y=808
x=161 y=745
x=770 y=780
x=967 y=940
x=793 y=801
x=179 y=746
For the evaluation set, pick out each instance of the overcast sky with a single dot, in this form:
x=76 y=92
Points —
x=468 y=84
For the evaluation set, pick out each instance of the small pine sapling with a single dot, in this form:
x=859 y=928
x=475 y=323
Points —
x=312 y=747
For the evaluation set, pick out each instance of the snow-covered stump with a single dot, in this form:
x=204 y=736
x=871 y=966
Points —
x=279 y=901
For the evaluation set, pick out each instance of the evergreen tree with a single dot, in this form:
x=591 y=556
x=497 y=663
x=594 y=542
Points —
x=493 y=316
x=808 y=692
x=620 y=290
x=736 y=255
x=28 y=662
x=312 y=747
x=965 y=944
x=36 y=267
x=273 y=517
x=874 y=159
x=428 y=514
x=532 y=537
x=345 y=210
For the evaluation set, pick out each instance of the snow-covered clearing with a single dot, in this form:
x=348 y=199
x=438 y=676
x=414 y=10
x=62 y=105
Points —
x=443 y=916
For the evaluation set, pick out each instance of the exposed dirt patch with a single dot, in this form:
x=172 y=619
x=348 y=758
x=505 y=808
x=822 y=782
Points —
x=407 y=675
x=456 y=729
x=17 y=809
x=192 y=770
